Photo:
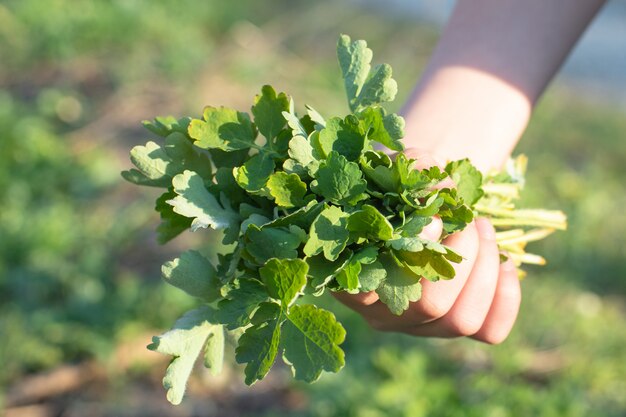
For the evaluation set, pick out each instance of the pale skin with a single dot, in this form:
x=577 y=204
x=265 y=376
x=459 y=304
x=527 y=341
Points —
x=474 y=100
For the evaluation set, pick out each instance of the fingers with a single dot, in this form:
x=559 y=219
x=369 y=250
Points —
x=504 y=307
x=358 y=301
x=437 y=298
x=482 y=301
x=433 y=230
x=470 y=309
x=485 y=306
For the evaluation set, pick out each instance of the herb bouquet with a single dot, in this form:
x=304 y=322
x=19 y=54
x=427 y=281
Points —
x=309 y=204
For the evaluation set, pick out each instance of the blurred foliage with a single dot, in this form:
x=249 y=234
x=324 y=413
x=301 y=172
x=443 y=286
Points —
x=64 y=227
x=134 y=39
x=577 y=162
x=78 y=264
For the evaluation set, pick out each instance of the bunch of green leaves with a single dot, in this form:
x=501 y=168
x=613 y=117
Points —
x=309 y=205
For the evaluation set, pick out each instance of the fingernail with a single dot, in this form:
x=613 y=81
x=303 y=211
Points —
x=433 y=230
x=485 y=229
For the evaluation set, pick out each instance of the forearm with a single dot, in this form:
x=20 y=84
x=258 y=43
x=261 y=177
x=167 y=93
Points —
x=492 y=63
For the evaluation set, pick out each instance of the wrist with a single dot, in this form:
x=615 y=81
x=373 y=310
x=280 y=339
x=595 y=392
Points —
x=459 y=112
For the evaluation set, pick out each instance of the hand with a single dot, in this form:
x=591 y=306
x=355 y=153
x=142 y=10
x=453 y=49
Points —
x=481 y=301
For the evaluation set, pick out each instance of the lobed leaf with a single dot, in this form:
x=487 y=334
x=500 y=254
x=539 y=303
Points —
x=311 y=337
x=285 y=278
x=268 y=112
x=223 y=128
x=194 y=200
x=194 y=274
x=328 y=234
x=369 y=223
x=288 y=190
x=185 y=342
x=339 y=180
x=255 y=172
x=354 y=62
x=399 y=288
x=257 y=348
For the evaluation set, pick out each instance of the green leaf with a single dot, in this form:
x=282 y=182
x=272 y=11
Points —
x=267 y=311
x=303 y=217
x=194 y=274
x=285 y=278
x=321 y=270
x=172 y=224
x=339 y=181
x=354 y=61
x=271 y=242
x=414 y=225
x=315 y=116
x=369 y=223
x=288 y=190
x=304 y=160
x=253 y=175
x=410 y=178
x=454 y=213
x=310 y=339
x=257 y=348
x=185 y=342
x=297 y=129
x=164 y=125
x=386 y=129
x=452 y=256
x=468 y=180
x=348 y=277
x=379 y=88
x=429 y=208
x=279 y=146
x=155 y=166
x=268 y=112
x=346 y=137
x=410 y=244
x=224 y=159
x=195 y=201
x=255 y=219
x=242 y=301
x=380 y=170
x=184 y=155
x=428 y=263
x=328 y=234
x=300 y=149
x=223 y=128
x=139 y=178
x=367 y=255
x=214 y=351
x=371 y=276
x=226 y=184
x=400 y=286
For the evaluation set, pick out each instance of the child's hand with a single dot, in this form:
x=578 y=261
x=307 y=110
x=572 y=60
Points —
x=481 y=301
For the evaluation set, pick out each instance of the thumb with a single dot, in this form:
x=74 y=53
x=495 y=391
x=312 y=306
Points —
x=433 y=230
x=423 y=159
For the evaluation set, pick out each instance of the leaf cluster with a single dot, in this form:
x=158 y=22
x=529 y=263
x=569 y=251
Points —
x=311 y=205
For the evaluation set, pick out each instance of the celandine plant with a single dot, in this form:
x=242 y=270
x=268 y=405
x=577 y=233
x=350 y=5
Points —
x=309 y=205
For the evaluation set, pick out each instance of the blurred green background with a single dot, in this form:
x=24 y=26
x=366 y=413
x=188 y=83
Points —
x=80 y=289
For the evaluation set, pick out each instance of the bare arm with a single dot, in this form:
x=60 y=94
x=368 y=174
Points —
x=492 y=63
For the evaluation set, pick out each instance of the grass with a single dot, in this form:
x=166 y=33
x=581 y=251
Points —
x=79 y=267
